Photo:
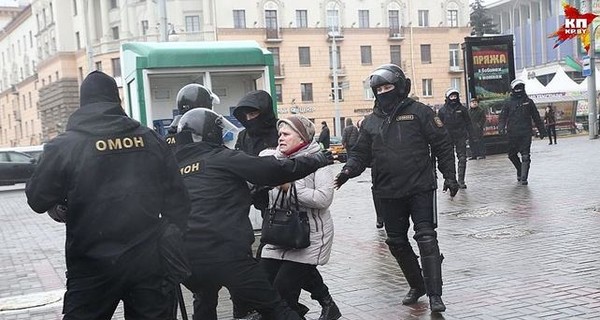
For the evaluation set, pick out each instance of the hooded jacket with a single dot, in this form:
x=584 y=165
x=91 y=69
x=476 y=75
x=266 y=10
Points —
x=400 y=147
x=219 y=229
x=119 y=180
x=261 y=132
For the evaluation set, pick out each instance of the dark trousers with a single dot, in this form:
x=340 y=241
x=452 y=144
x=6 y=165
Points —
x=397 y=214
x=377 y=208
x=96 y=298
x=551 y=129
x=247 y=283
x=519 y=144
x=289 y=277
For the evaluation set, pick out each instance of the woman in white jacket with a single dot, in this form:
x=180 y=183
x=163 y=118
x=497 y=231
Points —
x=292 y=269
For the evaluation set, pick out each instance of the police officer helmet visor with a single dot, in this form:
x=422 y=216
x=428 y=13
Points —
x=383 y=76
x=207 y=125
x=517 y=82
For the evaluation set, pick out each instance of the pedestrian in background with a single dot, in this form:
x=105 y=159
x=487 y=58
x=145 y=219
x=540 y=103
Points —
x=290 y=270
x=349 y=136
x=219 y=234
x=550 y=122
x=122 y=187
x=478 y=119
x=515 y=121
x=456 y=120
x=324 y=136
x=401 y=137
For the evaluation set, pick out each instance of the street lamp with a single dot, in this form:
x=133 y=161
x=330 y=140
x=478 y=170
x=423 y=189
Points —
x=592 y=108
x=335 y=25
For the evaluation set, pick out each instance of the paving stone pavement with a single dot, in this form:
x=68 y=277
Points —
x=511 y=251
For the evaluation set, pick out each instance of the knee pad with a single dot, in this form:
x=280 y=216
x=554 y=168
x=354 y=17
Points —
x=397 y=242
x=424 y=229
x=526 y=157
x=513 y=157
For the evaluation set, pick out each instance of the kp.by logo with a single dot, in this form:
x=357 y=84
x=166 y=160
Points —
x=575 y=26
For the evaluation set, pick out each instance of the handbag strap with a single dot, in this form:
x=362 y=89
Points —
x=294 y=196
x=279 y=194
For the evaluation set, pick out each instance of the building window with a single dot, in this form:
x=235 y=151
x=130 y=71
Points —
x=363 y=18
x=239 y=19
x=333 y=20
x=77 y=40
x=301 y=19
x=394 y=20
x=114 y=4
x=339 y=92
x=271 y=24
x=369 y=95
x=115 y=33
x=426 y=53
x=74 y=7
x=453 y=18
x=455 y=83
x=279 y=92
x=80 y=74
x=338 y=56
x=306 y=90
x=395 y=55
x=144 y=27
x=192 y=23
x=276 y=61
x=116 y=66
x=365 y=55
x=423 y=18
x=304 y=56
x=427 y=87
x=99 y=65
x=454 y=55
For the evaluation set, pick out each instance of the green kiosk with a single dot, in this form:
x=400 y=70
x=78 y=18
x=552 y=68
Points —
x=153 y=73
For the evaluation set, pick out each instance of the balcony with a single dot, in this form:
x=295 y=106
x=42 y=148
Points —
x=455 y=69
x=273 y=35
x=341 y=72
x=279 y=71
x=335 y=33
x=396 y=33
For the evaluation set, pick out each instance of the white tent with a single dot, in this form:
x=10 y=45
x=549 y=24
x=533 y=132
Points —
x=562 y=82
x=532 y=85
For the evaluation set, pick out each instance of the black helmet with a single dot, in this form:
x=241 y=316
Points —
x=205 y=125
x=390 y=74
x=195 y=96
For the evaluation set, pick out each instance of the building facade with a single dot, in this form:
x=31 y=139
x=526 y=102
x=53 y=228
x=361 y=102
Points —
x=51 y=45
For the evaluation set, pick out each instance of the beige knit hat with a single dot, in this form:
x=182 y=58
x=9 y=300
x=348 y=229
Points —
x=304 y=127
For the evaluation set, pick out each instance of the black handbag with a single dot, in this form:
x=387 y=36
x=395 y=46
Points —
x=284 y=224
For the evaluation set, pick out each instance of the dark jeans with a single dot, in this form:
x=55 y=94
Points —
x=97 y=297
x=551 y=129
x=247 y=283
x=289 y=277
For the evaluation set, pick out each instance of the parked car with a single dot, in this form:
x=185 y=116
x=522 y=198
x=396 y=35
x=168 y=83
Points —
x=337 y=149
x=15 y=167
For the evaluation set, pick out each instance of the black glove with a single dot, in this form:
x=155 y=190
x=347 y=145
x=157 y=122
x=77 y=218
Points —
x=260 y=197
x=341 y=178
x=325 y=157
x=58 y=213
x=452 y=185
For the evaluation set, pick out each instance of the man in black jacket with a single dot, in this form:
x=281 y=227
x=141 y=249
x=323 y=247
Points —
x=456 y=120
x=219 y=234
x=324 y=136
x=515 y=121
x=349 y=136
x=478 y=120
x=397 y=139
x=121 y=186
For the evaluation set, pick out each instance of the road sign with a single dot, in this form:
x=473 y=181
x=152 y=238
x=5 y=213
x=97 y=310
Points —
x=586 y=69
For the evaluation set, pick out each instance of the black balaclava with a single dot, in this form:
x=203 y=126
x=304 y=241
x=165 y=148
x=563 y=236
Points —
x=389 y=74
x=519 y=90
x=98 y=87
x=257 y=100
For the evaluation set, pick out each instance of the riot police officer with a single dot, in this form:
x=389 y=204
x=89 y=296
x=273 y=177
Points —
x=121 y=186
x=219 y=235
x=515 y=121
x=190 y=96
x=400 y=138
x=456 y=119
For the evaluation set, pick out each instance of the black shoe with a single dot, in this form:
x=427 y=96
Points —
x=436 y=304
x=524 y=182
x=473 y=158
x=330 y=310
x=379 y=224
x=482 y=157
x=462 y=185
x=413 y=296
x=550 y=143
x=302 y=309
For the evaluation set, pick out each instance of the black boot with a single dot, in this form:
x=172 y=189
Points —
x=330 y=310
x=408 y=262
x=525 y=169
x=431 y=260
x=462 y=168
x=514 y=159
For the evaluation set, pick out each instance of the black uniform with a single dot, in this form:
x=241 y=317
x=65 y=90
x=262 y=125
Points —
x=121 y=185
x=456 y=120
x=515 y=120
x=399 y=139
x=219 y=234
